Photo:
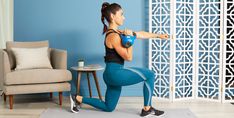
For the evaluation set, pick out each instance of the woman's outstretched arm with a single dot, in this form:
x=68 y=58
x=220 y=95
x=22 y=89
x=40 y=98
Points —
x=147 y=35
x=144 y=34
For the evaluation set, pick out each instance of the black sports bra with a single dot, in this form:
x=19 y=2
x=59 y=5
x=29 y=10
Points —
x=111 y=54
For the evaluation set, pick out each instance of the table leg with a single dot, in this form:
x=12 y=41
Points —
x=90 y=91
x=78 y=83
x=97 y=84
x=5 y=97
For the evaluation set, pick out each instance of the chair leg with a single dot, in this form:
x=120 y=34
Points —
x=11 y=101
x=51 y=95
x=5 y=97
x=60 y=98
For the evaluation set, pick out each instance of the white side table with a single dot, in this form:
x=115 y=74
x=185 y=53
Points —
x=88 y=69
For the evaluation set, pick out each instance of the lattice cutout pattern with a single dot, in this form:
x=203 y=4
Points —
x=179 y=73
x=161 y=48
x=184 y=49
x=229 y=79
x=209 y=49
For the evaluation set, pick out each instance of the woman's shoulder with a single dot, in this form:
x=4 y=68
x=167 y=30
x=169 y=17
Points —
x=112 y=35
x=112 y=39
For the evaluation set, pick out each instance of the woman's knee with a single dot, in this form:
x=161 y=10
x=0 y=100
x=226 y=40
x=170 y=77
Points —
x=150 y=74
x=110 y=109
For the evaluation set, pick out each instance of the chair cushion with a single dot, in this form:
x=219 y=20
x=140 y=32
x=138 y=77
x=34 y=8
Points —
x=31 y=58
x=36 y=88
x=36 y=76
x=12 y=44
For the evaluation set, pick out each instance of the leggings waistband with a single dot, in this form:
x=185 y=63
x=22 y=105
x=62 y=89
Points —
x=115 y=65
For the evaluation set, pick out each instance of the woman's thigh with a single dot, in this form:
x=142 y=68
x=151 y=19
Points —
x=127 y=76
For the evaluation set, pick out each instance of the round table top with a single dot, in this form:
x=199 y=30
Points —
x=88 y=68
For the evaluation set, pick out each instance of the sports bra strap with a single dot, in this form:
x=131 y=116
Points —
x=111 y=31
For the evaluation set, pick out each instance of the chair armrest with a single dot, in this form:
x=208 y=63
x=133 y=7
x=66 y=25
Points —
x=4 y=66
x=58 y=58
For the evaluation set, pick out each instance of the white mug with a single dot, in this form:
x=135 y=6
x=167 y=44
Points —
x=80 y=63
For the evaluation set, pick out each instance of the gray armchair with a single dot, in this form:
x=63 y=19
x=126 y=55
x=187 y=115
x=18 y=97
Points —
x=33 y=80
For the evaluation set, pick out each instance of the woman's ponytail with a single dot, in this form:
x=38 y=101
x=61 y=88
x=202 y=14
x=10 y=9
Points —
x=106 y=11
x=103 y=11
x=105 y=26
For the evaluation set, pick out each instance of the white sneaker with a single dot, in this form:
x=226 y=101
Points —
x=74 y=108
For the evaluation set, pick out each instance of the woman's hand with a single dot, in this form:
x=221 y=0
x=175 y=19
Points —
x=163 y=36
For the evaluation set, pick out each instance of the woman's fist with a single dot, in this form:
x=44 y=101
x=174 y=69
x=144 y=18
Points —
x=163 y=36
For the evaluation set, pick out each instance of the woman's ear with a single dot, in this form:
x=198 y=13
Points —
x=112 y=16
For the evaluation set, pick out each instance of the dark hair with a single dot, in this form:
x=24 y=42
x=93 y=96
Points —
x=106 y=11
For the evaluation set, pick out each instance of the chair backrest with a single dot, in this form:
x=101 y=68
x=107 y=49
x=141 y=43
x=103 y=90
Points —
x=11 y=44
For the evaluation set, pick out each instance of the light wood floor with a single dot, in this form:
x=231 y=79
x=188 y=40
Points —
x=31 y=106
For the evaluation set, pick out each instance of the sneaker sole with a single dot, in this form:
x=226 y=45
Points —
x=153 y=115
x=72 y=105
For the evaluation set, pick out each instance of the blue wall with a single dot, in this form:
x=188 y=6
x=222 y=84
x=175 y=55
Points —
x=75 y=25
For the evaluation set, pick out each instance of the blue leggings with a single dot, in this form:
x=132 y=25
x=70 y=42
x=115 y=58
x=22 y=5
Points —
x=115 y=76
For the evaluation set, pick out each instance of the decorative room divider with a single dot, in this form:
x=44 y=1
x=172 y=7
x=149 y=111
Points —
x=197 y=61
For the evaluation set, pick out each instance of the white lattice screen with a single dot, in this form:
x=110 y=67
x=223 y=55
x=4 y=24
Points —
x=198 y=59
x=228 y=60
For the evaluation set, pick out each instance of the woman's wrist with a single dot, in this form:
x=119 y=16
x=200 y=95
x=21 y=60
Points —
x=157 y=35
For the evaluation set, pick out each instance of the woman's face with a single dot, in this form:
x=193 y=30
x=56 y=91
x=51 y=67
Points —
x=118 y=17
